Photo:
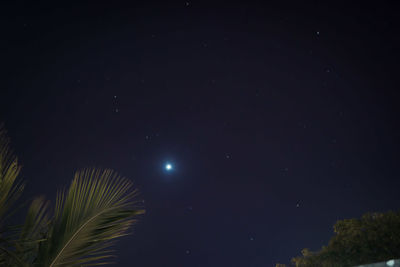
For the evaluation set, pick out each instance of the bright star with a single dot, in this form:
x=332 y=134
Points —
x=168 y=167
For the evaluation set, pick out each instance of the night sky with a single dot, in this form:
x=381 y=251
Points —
x=277 y=119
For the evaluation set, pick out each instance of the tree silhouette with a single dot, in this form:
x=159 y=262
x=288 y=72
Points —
x=373 y=238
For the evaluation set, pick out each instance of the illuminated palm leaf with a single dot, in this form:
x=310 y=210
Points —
x=9 y=193
x=9 y=170
x=99 y=207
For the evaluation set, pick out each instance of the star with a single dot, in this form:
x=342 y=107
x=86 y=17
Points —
x=168 y=167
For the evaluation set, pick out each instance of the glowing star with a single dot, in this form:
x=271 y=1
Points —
x=168 y=167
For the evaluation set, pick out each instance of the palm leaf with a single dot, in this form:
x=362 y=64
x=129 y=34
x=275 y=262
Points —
x=9 y=170
x=9 y=193
x=36 y=220
x=33 y=230
x=99 y=207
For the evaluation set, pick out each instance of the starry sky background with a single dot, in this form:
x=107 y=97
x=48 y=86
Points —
x=279 y=118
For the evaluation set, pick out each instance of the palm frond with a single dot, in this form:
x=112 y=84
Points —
x=99 y=207
x=10 y=190
x=36 y=220
x=33 y=230
x=9 y=170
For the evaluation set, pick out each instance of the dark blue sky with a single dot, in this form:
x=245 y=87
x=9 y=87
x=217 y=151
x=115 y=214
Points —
x=279 y=118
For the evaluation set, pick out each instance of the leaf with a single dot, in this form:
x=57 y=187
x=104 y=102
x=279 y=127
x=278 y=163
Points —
x=99 y=207
x=33 y=230
x=9 y=170
x=9 y=193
